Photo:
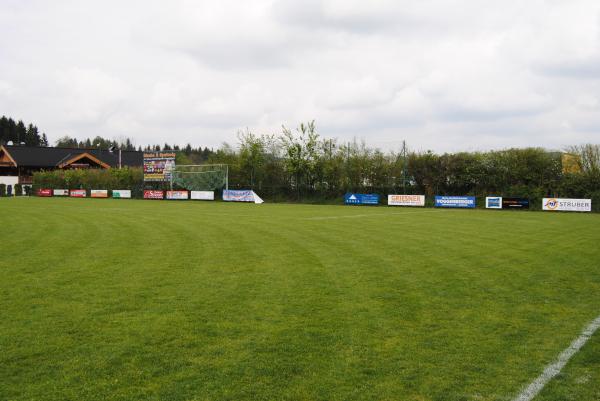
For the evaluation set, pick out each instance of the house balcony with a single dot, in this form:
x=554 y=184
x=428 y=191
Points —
x=25 y=179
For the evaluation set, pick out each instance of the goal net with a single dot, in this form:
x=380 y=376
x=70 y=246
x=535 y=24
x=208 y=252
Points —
x=203 y=177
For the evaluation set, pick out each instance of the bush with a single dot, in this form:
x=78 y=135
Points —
x=28 y=190
x=2 y=189
x=18 y=189
x=125 y=178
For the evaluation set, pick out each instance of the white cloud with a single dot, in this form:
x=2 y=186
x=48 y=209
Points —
x=444 y=75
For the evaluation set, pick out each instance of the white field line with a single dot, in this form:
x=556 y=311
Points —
x=354 y=216
x=555 y=367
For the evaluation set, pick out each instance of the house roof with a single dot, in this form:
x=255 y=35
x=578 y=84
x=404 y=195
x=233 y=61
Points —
x=29 y=156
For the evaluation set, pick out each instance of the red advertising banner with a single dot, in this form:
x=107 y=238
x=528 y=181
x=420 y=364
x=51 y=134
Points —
x=152 y=194
x=44 y=192
x=78 y=193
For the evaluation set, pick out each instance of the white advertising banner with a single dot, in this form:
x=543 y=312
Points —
x=493 y=202
x=61 y=192
x=177 y=195
x=202 y=195
x=121 y=193
x=406 y=200
x=565 y=204
x=230 y=195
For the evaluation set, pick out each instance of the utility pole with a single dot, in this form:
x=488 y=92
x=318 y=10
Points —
x=404 y=165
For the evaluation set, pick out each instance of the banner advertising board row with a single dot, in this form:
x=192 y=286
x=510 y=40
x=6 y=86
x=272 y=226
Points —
x=498 y=202
x=361 y=199
x=455 y=201
x=568 y=205
x=158 y=166
x=202 y=195
x=126 y=194
x=99 y=193
x=121 y=193
x=153 y=194
x=406 y=200
x=177 y=195
x=230 y=195
x=78 y=193
x=60 y=192
x=44 y=192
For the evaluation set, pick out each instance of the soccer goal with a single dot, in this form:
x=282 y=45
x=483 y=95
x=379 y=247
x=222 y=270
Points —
x=202 y=177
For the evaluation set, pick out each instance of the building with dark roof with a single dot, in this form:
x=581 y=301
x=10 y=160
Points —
x=18 y=163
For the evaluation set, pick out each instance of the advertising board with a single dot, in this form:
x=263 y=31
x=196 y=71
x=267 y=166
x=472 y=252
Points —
x=60 y=192
x=515 y=203
x=230 y=195
x=567 y=205
x=406 y=200
x=158 y=166
x=498 y=202
x=493 y=202
x=44 y=192
x=77 y=193
x=154 y=194
x=361 y=199
x=121 y=193
x=177 y=195
x=98 y=193
x=202 y=195
x=455 y=201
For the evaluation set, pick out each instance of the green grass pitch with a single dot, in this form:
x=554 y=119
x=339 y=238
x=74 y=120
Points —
x=158 y=300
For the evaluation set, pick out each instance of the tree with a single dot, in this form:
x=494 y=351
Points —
x=66 y=142
x=301 y=154
x=252 y=155
x=588 y=157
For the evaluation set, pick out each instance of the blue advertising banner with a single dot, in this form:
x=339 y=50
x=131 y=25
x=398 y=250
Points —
x=455 y=201
x=361 y=199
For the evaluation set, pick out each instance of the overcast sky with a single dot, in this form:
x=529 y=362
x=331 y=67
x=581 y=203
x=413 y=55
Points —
x=444 y=75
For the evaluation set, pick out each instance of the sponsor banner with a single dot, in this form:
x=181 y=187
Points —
x=515 y=203
x=406 y=200
x=121 y=193
x=455 y=201
x=44 y=192
x=154 y=194
x=61 y=192
x=498 y=202
x=230 y=195
x=493 y=202
x=158 y=166
x=361 y=199
x=180 y=195
x=99 y=193
x=202 y=195
x=565 y=204
x=78 y=193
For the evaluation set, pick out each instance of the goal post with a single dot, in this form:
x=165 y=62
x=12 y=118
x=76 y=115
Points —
x=200 y=177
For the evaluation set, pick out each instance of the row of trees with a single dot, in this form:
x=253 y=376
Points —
x=300 y=165
x=17 y=133
x=186 y=154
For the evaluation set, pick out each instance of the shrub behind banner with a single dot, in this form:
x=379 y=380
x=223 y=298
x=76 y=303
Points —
x=90 y=179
